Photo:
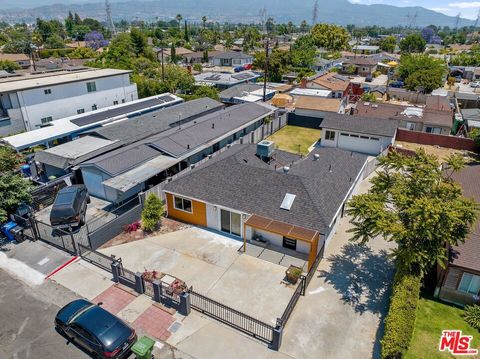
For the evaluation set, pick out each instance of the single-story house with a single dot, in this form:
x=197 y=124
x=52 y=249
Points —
x=460 y=281
x=423 y=119
x=21 y=60
x=120 y=174
x=309 y=92
x=167 y=52
x=338 y=85
x=232 y=59
x=198 y=57
x=362 y=66
x=245 y=93
x=323 y=65
x=360 y=134
x=310 y=111
x=365 y=49
x=256 y=193
x=222 y=80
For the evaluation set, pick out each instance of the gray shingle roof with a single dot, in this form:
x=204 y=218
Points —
x=358 y=124
x=238 y=91
x=232 y=55
x=151 y=123
x=238 y=179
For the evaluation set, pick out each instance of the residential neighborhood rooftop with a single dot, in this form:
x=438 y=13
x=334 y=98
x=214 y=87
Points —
x=333 y=81
x=318 y=103
x=359 y=124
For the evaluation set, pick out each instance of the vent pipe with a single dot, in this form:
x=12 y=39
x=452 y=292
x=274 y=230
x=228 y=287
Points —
x=316 y=157
x=286 y=169
x=330 y=168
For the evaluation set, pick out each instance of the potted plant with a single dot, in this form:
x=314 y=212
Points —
x=293 y=273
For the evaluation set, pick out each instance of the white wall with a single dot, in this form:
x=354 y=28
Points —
x=213 y=220
x=356 y=144
x=276 y=239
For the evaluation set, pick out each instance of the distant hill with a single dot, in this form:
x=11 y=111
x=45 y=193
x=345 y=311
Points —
x=340 y=12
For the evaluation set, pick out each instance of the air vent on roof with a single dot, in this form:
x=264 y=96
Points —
x=287 y=201
x=265 y=149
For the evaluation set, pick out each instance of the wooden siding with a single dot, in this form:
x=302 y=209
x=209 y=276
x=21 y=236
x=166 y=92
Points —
x=197 y=217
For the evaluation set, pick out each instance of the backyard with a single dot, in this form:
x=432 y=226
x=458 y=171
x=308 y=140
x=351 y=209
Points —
x=295 y=139
x=432 y=318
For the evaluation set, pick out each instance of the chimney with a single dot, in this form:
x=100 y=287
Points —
x=303 y=83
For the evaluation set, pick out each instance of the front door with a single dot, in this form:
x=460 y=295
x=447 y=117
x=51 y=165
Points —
x=290 y=243
x=230 y=222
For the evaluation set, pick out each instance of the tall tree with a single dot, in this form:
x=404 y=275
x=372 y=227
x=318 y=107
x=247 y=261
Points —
x=416 y=205
x=330 y=37
x=388 y=44
x=413 y=43
x=204 y=21
x=421 y=72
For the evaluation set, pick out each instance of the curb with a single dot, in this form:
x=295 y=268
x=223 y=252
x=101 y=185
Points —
x=58 y=269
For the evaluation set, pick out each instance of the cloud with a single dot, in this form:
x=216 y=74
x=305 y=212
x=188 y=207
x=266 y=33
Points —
x=465 y=5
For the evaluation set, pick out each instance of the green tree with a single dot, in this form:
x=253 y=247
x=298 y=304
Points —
x=330 y=37
x=416 y=205
x=413 y=43
x=304 y=51
x=204 y=21
x=368 y=97
x=421 y=72
x=187 y=35
x=138 y=40
x=9 y=66
x=278 y=63
x=152 y=212
x=304 y=26
x=54 y=42
x=206 y=91
x=82 y=53
x=388 y=44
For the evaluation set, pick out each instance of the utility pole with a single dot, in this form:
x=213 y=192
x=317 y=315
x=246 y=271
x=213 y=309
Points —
x=108 y=10
x=265 y=74
x=163 y=66
x=315 y=13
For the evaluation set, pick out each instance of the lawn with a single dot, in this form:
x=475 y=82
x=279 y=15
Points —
x=295 y=139
x=432 y=318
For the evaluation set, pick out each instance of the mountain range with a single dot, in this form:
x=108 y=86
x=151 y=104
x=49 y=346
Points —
x=341 y=12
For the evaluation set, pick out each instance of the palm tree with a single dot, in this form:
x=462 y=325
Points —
x=179 y=18
x=204 y=21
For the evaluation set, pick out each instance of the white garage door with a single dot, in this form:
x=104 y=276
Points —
x=358 y=143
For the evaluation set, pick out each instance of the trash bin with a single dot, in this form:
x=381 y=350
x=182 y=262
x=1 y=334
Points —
x=143 y=348
x=7 y=230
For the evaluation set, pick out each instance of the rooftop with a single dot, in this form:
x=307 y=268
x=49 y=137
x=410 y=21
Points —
x=238 y=179
x=30 y=81
x=333 y=81
x=232 y=55
x=228 y=79
x=310 y=92
x=358 y=124
x=367 y=61
x=318 y=103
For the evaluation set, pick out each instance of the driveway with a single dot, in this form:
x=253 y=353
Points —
x=212 y=264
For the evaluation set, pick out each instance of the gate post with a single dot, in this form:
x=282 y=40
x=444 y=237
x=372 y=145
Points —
x=184 y=308
x=139 y=285
x=115 y=271
x=75 y=250
x=304 y=284
x=157 y=291
x=277 y=333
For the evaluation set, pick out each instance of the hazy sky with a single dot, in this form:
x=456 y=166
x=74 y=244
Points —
x=468 y=9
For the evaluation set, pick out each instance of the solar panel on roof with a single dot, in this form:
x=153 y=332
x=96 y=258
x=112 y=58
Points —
x=166 y=98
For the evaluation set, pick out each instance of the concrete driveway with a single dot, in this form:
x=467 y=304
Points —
x=212 y=264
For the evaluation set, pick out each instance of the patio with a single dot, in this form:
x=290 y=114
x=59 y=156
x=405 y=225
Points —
x=277 y=255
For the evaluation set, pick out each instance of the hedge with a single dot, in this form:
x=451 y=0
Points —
x=46 y=53
x=400 y=320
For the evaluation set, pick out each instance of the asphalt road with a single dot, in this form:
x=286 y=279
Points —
x=26 y=321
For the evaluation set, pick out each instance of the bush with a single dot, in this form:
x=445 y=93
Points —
x=400 y=320
x=376 y=74
x=197 y=67
x=152 y=212
x=472 y=315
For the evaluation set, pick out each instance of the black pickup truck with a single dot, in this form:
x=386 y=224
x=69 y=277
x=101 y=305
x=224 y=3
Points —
x=70 y=207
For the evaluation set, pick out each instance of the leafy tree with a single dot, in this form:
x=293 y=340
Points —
x=368 y=97
x=304 y=26
x=187 y=35
x=82 y=53
x=204 y=21
x=421 y=71
x=278 y=63
x=9 y=66
x=54 y=42
x=95 y=40
x=206 y=91
x=413 y=43
x=152 y=212
x=304 y=51
x=20 y=40
x=330 y=37
x=416 y=205
x=139 y=41
x=388 y=44
x=9 y=160
x=177 y=78
x=49 y=28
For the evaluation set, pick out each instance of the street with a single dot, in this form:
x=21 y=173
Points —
x=26 y=320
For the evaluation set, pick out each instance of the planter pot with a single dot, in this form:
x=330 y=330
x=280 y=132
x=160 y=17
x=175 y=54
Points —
x=293 y=273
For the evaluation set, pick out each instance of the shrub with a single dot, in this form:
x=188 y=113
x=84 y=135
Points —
x=152 y=212
x=376 y=73
x=400 y=320
x=197 y=67
x=472 y=315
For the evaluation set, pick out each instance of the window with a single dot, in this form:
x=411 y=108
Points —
x=330 y=135
x=435 y=130
x=365 y=137
x=375 y=138
x=94 y=107
x=80 y=110
x=183 y=204
x=470 y=283
x=91 y=87
x=354 y=136
x=47 y=91
x=46 y=119
x=344 y=134
x=123 y=100
x=5 y=122
x=290 y=243
x=410 y=126
x=115 y=102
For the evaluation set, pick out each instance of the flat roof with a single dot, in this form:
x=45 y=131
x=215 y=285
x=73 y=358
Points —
x=30 y=81
x=221 y=78
x=358 y=124
x=310 y=92
x=318 y=103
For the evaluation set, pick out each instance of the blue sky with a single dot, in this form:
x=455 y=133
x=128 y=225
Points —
x=468 y=9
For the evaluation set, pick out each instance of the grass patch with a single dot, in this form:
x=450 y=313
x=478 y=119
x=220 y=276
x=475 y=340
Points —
x=432 y=318
x=294 y=138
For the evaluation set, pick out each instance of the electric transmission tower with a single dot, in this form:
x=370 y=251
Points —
x=315 y=13
x=457 y=20
x=477 y=20
x=108 y=10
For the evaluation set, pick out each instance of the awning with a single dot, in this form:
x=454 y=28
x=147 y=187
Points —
x=281 y=228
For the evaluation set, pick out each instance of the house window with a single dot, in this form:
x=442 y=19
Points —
x=330 y=135
x=91 y=87
x=364 y=137
x=375 y=138
x=354 y=135
x=94 y=107
x=115 y=102
x=80 y=110
x=123 y=100
x=46 y=119
x=290 y=243
x=182 y=204
x=410 y=126
x=435 y=130
x=236 y=62
x=344 y=134
x=470 y=284
x=47 y=91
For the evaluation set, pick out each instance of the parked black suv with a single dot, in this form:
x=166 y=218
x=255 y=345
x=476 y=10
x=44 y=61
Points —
x=69 y=207
x=95 y=330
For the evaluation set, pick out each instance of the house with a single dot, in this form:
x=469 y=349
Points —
x=304 y=92
x=414 y=118
x=323 y=65
x=365 y=49
x=362 y=66
x=338 y=85
x=120 y=174
x=222 y=80
x=245 y=93
x=167 y=53
x=360 y=134
x=290 y=203
x=471 y=116
x=21 y=60
x=460 y=281
x=198 y=57
x=310 y=111
x=32 y=101
x=69 y=128
x=232 y=59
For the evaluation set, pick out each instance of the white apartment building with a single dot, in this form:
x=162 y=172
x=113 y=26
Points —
x=32 y=101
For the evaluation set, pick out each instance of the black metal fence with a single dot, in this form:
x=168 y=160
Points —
x=299 y=291
x=96 y=258
x=231 y=317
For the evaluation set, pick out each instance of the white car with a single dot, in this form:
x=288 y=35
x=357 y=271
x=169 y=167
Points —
x=475 y=84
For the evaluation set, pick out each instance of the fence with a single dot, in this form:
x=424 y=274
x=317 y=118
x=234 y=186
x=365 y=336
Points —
x=96 y=258
x=231 y=317
x=299 y=291
x=43 y=196
x=424 y=138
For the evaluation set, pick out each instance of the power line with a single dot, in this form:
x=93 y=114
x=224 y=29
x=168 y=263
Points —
x=315 y=13
x=108 y=10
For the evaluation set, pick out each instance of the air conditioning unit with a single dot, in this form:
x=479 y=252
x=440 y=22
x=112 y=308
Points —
x=265 y=149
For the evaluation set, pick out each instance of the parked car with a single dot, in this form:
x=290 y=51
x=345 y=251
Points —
x=95 y=330
x=397 y=84
x=239 y=69
x=70 y=207
x=475 y=84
